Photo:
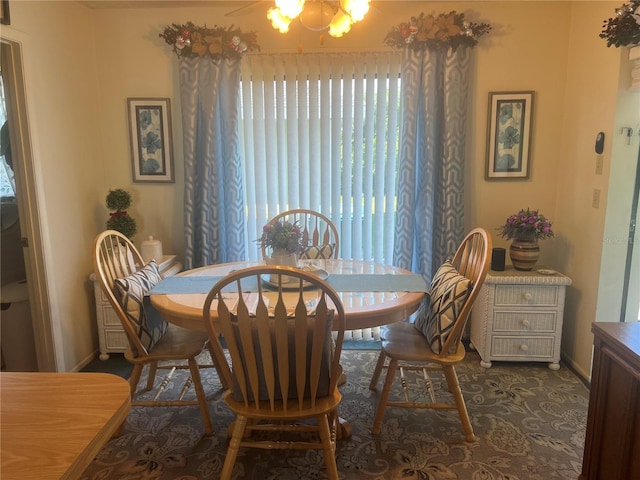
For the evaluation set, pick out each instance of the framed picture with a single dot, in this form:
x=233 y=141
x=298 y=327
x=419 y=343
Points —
x=4 y=12
x=509 y=135
x=151 y=143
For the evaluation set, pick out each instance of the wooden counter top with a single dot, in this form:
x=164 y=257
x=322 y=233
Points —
x=53 y=424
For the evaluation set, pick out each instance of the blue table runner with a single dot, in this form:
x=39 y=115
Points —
x=340 y=282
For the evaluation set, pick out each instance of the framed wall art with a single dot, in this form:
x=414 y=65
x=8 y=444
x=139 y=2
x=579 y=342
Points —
x=151 y=143
x=5 y=19
x=509 y=135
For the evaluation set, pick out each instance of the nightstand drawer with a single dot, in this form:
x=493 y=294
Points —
x=116 y=340
x=523 y=321
x=508 y=346
x=109 y=317
x=525 y=295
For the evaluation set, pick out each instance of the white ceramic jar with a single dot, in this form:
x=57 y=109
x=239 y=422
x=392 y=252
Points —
x=151 y=249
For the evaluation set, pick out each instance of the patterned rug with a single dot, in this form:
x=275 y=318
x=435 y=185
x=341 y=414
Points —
x=530 y=422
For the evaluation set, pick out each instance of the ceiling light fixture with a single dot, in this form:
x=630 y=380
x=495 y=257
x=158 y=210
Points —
x=318 y=15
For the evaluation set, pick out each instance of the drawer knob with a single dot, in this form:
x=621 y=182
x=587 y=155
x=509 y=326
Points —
x=524 y=322
x=524 y=347
x=527 y=296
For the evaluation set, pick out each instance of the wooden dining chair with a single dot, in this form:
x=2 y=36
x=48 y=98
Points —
x=285 y=363
x=125 y=279
x=434 y=341
x=319 y=234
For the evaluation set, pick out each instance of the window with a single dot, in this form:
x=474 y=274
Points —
x=322 y=132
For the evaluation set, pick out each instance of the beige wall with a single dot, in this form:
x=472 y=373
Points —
x=87 y=62
x=590 y=101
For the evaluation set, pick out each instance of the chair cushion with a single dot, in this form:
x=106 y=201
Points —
x=447 y=295
x=313 y=252
x=148 y=323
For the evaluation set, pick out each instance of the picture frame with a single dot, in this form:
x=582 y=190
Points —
x=151 y=140
x=5 y=18
x=509 y=121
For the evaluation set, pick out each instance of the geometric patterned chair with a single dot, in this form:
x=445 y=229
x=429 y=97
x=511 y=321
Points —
x=125 y=279
x=434 y=341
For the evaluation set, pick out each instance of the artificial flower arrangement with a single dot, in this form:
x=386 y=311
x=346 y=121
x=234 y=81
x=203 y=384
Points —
x=282 y=236
x=189 y=40
x=526 y=225
x=623 y=29
x=445 y=30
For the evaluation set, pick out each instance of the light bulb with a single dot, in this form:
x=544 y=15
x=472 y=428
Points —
x=290 y=8
x=279 y=21
x=340 y=24
x=357 y=9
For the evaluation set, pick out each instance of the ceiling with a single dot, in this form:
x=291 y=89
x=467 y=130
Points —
x=97 y=4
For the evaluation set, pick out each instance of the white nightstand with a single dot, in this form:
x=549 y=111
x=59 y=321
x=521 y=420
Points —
x=111 y=336
x=518 y=317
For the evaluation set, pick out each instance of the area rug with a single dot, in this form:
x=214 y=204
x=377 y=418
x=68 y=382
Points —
x=530 y=422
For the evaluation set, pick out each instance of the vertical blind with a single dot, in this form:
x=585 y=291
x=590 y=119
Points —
x=321 y=131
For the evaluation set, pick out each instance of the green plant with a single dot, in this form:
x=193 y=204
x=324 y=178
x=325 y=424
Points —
x=118 y=201
x=527 y=225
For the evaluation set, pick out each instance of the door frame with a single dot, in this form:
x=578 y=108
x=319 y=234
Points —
x=27 y=200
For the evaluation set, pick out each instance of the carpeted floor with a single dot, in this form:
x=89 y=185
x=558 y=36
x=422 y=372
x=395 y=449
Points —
x=530 y=422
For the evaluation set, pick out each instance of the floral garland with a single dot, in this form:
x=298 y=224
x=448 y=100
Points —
x=624 y=29
x=448 y=30
x=189 y=40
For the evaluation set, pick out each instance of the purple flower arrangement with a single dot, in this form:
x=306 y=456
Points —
x=526 y=225
x=282 y=235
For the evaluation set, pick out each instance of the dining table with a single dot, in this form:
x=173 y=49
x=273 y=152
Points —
x=372 y=294
x=52 y=425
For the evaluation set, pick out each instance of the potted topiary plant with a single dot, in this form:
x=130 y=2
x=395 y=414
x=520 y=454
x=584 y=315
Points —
x=118 y=201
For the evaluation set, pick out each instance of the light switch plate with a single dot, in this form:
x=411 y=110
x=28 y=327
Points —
x=599 y=164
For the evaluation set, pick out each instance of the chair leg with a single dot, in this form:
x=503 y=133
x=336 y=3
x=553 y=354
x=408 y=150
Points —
x=202 y=398
x=328 y=446
x=234 y=446
x=384 y=396
x=136 y=373
x=153 y=368
x=454 y=388
x=378 y=370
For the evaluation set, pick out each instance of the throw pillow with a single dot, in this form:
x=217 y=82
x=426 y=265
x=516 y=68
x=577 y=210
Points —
x=447 y=295
x=148 y=323
x=313 y=252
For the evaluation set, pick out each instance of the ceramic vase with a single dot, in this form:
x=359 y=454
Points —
x=282 y=258
x=524 y=254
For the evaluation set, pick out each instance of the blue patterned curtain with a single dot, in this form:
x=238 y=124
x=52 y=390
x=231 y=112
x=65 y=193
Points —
x=213 y=204
x=430 y=212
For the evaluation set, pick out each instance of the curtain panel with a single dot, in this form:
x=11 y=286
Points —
x=430 y=214
x=214 y=194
